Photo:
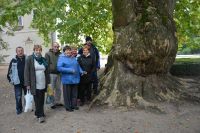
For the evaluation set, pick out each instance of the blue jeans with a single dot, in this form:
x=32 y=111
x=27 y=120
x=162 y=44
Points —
x=18 y=97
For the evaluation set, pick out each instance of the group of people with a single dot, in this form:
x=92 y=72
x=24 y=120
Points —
x=75 y=70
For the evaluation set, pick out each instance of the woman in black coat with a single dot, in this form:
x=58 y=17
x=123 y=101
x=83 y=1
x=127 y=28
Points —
x=87 y=64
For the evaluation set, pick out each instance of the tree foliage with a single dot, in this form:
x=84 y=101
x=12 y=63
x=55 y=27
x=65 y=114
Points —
x=73 y=19
x=187 y=17
x=3 y=44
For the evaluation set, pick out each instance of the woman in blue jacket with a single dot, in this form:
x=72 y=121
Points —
x=70 y=76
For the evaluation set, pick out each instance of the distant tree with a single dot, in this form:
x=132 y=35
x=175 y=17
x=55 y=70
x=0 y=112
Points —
x=187 y=20
x=3 y=44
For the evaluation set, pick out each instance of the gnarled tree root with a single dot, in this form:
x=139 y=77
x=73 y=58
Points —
x=123 y=88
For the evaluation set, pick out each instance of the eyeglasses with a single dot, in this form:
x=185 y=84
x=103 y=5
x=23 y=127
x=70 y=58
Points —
x=56 y=46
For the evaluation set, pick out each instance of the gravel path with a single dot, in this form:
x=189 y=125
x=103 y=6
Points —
x=184 y=118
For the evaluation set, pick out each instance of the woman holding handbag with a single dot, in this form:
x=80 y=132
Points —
x=37 y=78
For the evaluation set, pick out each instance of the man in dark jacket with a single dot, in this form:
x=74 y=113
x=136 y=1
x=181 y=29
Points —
x=94 y=53
x=52 y=59
x=15 y=76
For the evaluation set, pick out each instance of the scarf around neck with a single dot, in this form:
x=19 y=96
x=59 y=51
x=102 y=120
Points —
x=41 y=60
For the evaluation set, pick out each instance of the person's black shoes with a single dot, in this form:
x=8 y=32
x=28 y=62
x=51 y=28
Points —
x=53 y=107
x=19 y=112
x=69 y=110
x=58 y=104
x=96 y=92
x=75 y=108
x=82 y=103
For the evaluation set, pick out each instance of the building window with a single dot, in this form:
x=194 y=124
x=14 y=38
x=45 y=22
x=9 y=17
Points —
x=20 y=21
x=20 y=24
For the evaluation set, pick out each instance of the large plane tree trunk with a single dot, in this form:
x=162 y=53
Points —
x=144 y=49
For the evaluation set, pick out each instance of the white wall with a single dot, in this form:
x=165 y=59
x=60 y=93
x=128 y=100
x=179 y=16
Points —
x=20 y=39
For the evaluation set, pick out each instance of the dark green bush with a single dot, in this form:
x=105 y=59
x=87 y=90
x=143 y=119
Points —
x=186 y=67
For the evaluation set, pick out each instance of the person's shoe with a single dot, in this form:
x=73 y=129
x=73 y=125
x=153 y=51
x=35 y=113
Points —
x=35 y=116
x=75 y=108
x=58 y=104
x=41 y=120
x=69 y=110
x=19 y=112
x=78 y=102
x=82 y=103
x=53 y=106
x=96 y=92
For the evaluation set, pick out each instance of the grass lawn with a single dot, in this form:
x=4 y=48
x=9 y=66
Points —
x=187 y=60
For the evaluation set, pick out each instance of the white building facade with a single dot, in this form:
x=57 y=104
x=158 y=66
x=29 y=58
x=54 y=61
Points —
x=25 y=37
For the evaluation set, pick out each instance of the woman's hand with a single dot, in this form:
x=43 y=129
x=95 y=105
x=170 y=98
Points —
x=84 y=72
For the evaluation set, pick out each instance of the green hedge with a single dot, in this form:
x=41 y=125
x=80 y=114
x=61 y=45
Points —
x=185 y=69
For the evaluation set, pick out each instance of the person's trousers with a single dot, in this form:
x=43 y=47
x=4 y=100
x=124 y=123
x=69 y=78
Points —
x=70 y=95
x=56 y=86
x=84 y=91
x=95 y=82
x=18 y=97
x=39 y=102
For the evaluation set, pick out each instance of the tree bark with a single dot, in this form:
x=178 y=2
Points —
x=144 y=35
x=143 y=51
